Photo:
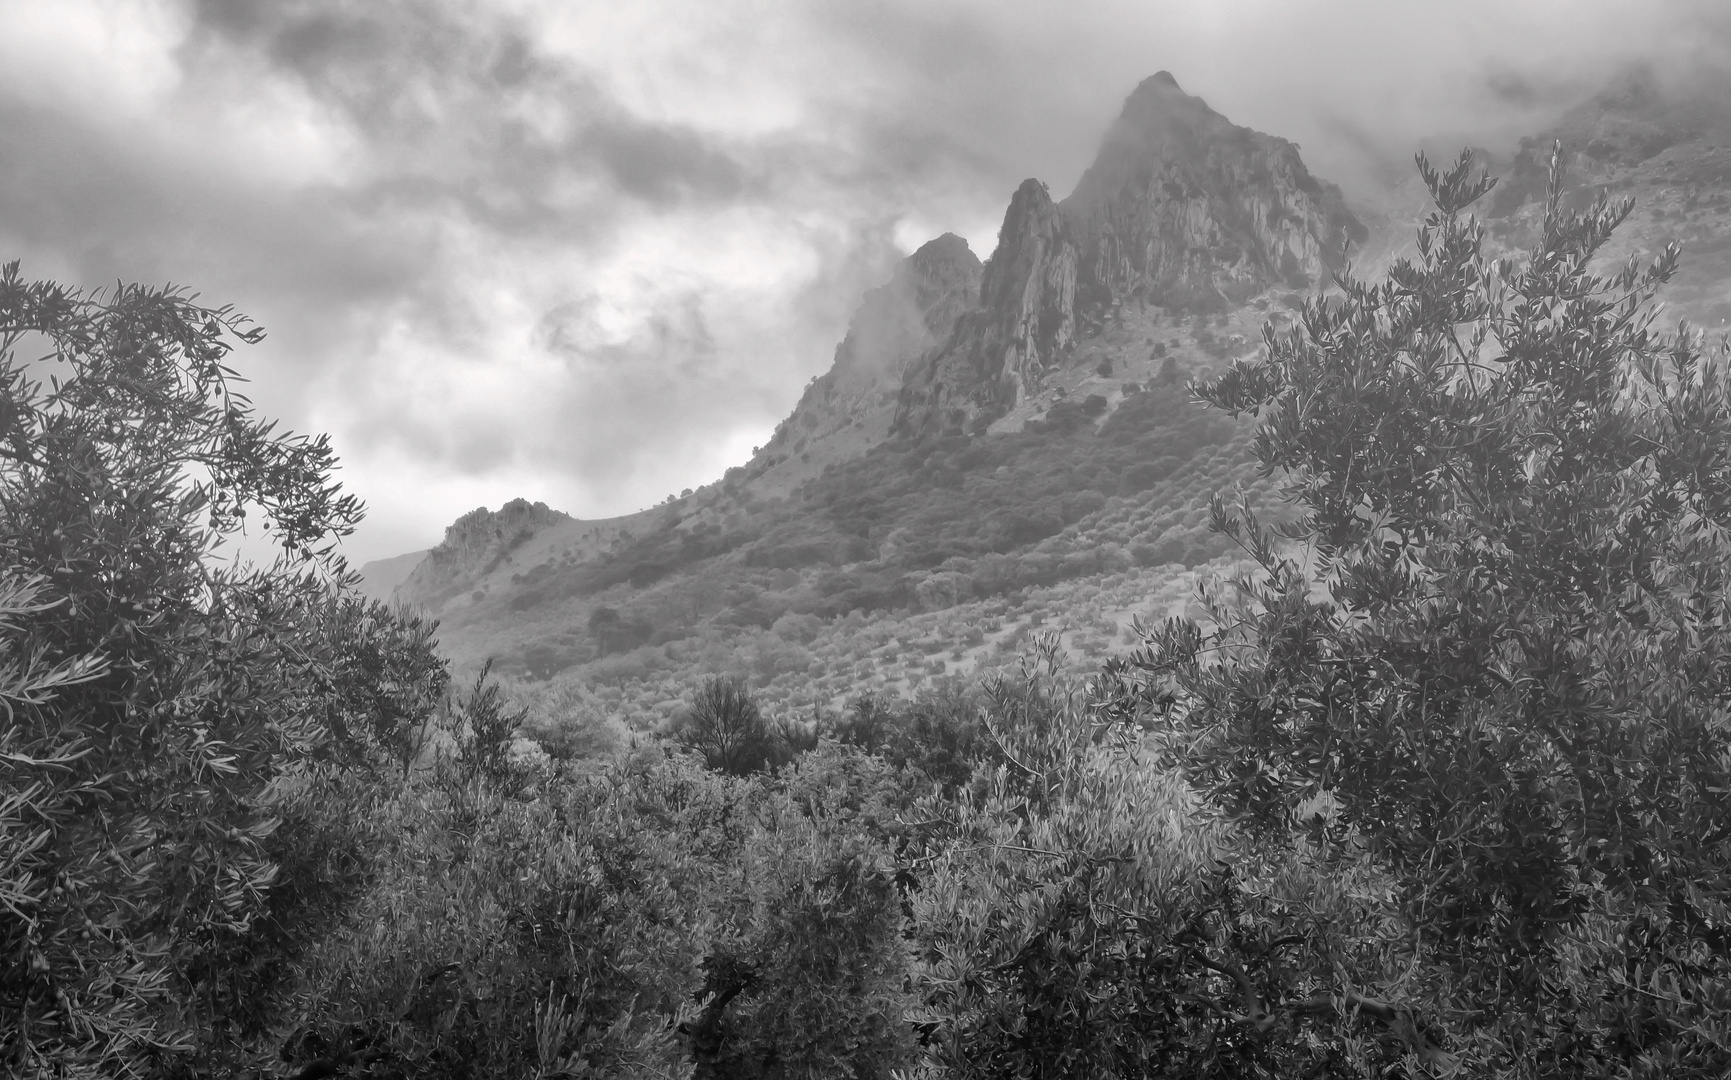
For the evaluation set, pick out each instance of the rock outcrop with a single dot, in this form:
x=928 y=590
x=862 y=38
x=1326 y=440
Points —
x=473 y=547
x=1025 y=321
x=1184 y=208
x=895 y=326
x=1181 y=208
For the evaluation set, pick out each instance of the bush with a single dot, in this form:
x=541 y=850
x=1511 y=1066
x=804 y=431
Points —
x=1502 y=676
x=152 y=699
x=640 y=920
x=483 y=727
x=725 y=725
x=1080 y=913
x=937 y=736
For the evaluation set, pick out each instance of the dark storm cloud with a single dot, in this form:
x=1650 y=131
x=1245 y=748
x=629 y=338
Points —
x=114 y=211
x=1514 y=88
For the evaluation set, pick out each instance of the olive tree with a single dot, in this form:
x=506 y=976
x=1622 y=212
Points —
x=1496 y=639
x=726 y=726
x=152 y=693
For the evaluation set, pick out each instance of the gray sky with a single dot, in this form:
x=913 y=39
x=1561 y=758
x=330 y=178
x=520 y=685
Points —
x=590 y=252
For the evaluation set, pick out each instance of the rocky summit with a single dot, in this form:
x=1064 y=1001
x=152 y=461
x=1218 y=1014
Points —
x=1181 y=208
x=473 y=546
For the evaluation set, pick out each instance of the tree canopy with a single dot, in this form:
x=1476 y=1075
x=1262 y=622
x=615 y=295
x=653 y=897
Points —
x=1495 y=642
x=151 y=693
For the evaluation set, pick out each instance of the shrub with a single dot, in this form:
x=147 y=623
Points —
x=151 y=698
x=644 y=919
x=937 y=736
x=1078 y=912
x=1503 y=674
x=725 y=725
x=483 y=728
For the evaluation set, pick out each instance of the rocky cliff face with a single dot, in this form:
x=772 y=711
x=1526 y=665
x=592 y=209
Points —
x=1181 y=208
x=1026 y=319
x=473 y=546
x=896 y=325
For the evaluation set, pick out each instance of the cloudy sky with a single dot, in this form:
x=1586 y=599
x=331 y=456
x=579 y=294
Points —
x=590 y=251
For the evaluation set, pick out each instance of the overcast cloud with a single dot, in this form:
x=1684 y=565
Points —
x=591 y=252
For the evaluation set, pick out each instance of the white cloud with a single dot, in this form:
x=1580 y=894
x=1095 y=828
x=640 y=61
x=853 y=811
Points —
x=591 y=253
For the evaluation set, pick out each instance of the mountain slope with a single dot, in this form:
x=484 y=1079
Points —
x=849 y=407
x=1089 y=492
x=1671 y=152
x=1181 y=209
x=994 y=449
x=381 y=577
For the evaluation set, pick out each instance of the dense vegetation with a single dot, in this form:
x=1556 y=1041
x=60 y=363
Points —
x=908 y=526
x=1434 y=788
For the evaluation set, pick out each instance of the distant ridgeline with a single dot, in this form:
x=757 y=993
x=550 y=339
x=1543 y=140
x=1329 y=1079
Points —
x=1011 y=445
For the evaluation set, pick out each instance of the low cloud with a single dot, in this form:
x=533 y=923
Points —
x=591 y=253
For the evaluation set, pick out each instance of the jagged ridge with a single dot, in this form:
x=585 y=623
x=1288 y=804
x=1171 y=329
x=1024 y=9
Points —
x=896 y=325
x=1181 y=208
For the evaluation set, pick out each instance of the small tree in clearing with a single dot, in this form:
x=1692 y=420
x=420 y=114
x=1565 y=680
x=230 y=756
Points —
x=727 y=728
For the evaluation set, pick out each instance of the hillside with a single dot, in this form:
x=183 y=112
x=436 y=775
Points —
x=1671 y=154
x=380 y=578
x=1009 y=446
x=1667 y=149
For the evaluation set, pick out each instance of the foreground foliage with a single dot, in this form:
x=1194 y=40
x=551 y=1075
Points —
x=1499 y=652
x=1437 y=790
x=150 y=697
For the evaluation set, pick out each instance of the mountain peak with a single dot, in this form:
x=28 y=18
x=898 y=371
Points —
x=1159 y=109
x=896 y=324
x=947 y=246
x=473 y=546
x=948 y=257
x=1157 y=97
x=1181 y=208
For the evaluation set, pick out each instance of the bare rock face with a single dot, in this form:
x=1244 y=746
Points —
x=474 y=545
x=896 y=325
x=1025 y=321
x=1182 y=208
